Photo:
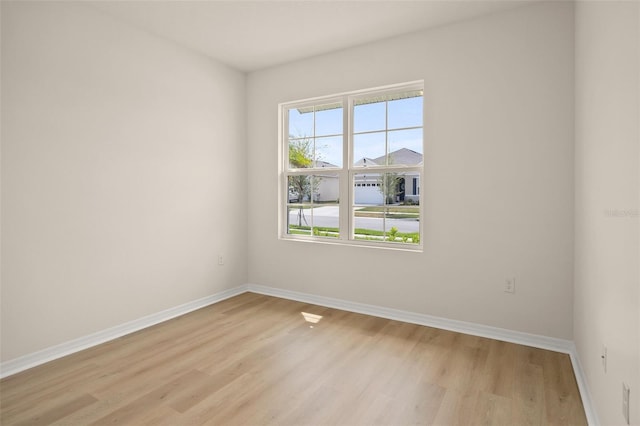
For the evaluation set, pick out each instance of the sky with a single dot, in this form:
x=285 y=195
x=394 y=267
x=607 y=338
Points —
x=369 y=126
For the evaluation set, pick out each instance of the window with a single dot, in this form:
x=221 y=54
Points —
x=352 y=166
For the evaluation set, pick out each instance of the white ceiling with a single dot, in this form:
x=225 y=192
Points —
x=250 y=35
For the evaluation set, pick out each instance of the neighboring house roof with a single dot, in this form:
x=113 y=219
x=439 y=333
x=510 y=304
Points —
x=366 y=161
x=400 y=156
x=320 y=163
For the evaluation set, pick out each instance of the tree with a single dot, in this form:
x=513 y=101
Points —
x=388 y=186
x=388 y=183
x=300 y=153
x=301 y=186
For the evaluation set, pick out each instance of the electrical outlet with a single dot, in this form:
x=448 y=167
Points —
x=625 y=402
x=510 y=285
x=604 y=358
x=220 y=260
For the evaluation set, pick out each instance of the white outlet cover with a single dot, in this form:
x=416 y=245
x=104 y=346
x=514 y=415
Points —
x=510 y=285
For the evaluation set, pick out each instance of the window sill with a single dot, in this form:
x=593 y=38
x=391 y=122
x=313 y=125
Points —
x=414 y=248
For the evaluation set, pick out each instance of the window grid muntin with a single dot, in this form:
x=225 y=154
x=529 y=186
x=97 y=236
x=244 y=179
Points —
x=347 y=169
x=384 y=205
x=311 y=203
x=386 y=129
x=314 y=105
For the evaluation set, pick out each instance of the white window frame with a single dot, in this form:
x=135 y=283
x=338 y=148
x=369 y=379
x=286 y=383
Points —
x=346 y=173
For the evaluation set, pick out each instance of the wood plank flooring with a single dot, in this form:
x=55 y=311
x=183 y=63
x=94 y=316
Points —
x=256 y=360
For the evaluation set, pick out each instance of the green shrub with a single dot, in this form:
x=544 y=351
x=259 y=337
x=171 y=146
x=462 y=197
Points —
x=392 y=233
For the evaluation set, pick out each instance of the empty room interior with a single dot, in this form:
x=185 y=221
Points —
x=320 y=212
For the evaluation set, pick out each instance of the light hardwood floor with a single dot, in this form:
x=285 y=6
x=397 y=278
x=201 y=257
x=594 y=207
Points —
x=255 y=360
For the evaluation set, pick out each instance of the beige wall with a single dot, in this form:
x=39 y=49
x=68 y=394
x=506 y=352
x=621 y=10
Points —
x=607 y=256
x=498 y=181
x=122 y=175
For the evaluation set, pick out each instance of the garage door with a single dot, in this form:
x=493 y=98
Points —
x=367 y=193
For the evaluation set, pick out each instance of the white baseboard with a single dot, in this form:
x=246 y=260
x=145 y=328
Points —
x=585 y=394
x=543 y=342
x=14 y=366
x=534 y=340
x=17 y=365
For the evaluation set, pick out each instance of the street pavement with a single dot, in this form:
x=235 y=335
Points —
x=328 y=216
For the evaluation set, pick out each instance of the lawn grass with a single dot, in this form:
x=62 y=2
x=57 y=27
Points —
x=388 y=212
x=360 y=234
x=395 y=209
x=318 y=231
x=378 y=215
